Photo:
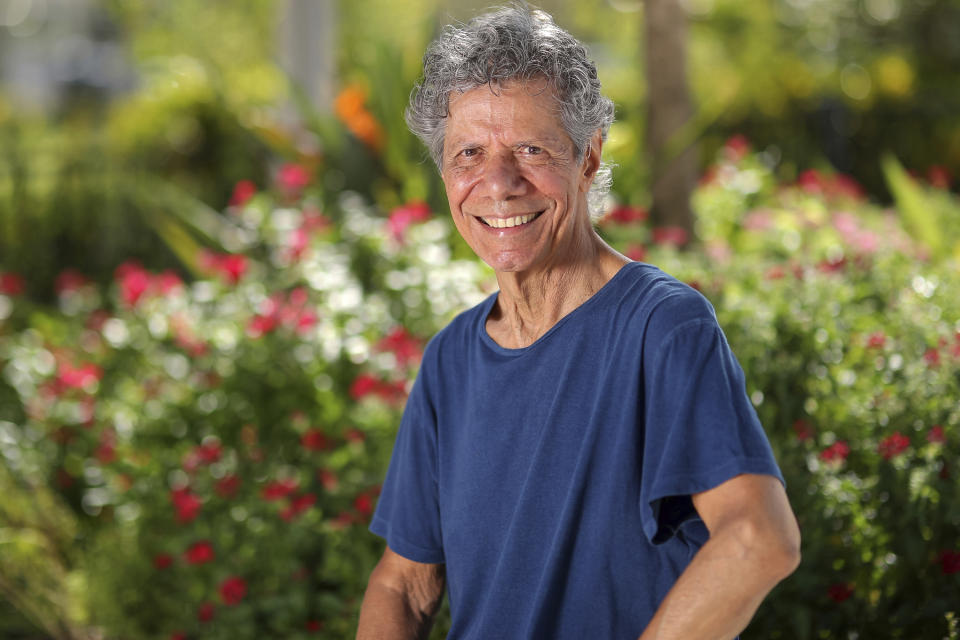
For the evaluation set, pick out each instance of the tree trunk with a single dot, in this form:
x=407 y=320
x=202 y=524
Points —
x=307 y=51
x=669 y=108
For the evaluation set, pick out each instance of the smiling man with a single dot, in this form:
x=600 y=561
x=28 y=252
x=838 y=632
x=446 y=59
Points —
x=578 y=457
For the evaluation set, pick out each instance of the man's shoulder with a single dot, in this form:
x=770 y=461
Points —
x=457 y=335
x=660 y=301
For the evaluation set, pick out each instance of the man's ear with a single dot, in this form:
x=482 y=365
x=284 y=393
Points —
x=591 y=161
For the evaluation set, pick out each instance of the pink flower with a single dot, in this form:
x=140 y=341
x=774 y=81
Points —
x=893 y=445
x=199 y=552
x=243 y=191
x=233 y=266
x=670 y=236
x=292 y=178
x=406 y=215
x=78 y=378
x=840 y=591
x=232 y=590
x=168 y=283
x=837 y=452
x=355 y=435
x=364 y=385
x=133 y=281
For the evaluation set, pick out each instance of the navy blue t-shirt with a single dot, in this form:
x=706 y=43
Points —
x=554 y=481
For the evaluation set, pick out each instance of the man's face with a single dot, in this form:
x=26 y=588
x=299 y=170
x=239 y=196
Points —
x=516 y=192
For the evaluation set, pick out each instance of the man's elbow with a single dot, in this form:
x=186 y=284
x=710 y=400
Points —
x=772 y=548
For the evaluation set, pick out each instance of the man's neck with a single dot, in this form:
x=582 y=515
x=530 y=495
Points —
x=529 y=304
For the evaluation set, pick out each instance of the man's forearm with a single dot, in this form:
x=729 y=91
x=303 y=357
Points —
x=721 y=589
x=386 y=614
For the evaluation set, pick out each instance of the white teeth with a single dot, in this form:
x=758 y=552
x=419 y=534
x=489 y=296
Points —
x=501 y=223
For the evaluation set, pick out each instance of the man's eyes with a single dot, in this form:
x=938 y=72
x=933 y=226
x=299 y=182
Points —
x=531 y=150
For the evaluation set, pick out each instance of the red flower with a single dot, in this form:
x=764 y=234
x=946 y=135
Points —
x=776 y=272
x=11 y=284
x=298 y=505
x=625 y=214
x=68 y=281
x=205 y=612
x=355 y=435
x=670 y=236
x=402 y=217
x=232 y=590
x=936 y=435
x=242 y=192
x=314 y=440
x=199 y=552
x=636 y=252
x=162 y=561
x=736 y=148
x=893 y=445
x=178 y=635
x=932 y=356
x=363 y=503
x=803 y=430
x=133 y=281
x=402 y=344
x=840 y=591
x=949 y=561
x=837 y=452
x=186 y=504
x=328 y=479
x=279 y=489
x=314 y=625
x=209 y=452
x=227 y=486
x=364 y=385
x=293 y=178
x=877 y=340
x=938 y=177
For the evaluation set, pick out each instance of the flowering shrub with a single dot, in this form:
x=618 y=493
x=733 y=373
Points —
x=219 y=443
x=222 y=442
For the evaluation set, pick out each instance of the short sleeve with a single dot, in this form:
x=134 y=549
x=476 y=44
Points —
x=700 y=429
x=407 y=515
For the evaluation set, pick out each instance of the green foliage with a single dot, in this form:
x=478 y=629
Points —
x=254 y=409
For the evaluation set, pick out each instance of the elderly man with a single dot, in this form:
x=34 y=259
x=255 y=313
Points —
x=578 y=458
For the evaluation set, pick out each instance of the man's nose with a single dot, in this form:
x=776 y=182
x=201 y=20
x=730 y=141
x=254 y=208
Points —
x=503 y=178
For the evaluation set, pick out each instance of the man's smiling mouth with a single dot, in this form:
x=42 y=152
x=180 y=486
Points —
x=506 y=223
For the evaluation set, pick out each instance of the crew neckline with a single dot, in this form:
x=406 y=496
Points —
x=598 y=296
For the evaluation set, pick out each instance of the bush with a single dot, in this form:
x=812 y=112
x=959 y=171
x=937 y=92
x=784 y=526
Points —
x=213 y=449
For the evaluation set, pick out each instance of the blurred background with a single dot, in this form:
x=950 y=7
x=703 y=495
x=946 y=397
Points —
x=221 y=254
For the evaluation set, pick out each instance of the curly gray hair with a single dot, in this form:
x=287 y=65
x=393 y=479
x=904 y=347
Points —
x=513 y=43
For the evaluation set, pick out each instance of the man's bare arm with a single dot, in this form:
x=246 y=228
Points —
x=401 y=600
x=754 y=544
